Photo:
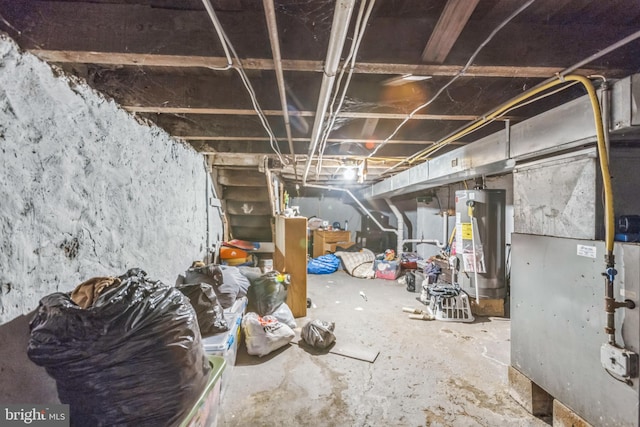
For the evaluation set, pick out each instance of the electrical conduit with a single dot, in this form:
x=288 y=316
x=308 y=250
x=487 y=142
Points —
x=340 y=26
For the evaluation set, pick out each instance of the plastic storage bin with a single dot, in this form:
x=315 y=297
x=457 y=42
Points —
x=239 y=306
x=205 y=412
x=225 y=345
x=389 y=270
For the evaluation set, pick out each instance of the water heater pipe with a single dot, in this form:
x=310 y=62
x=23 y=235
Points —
x=474 y=227
x=400 y=220
x=445 y=232
x=360 y=205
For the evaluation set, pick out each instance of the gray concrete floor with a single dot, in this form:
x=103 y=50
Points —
x=428 y=373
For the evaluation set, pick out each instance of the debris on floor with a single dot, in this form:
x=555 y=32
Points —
x=416 y=313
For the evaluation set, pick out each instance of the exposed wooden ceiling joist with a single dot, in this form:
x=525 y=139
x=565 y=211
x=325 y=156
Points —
x=266 y=139
x=188 y=61
x=452 y=21
x=345 y=114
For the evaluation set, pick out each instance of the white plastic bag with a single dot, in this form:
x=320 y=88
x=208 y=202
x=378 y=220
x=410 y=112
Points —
x=265 y=334
x=283 y=314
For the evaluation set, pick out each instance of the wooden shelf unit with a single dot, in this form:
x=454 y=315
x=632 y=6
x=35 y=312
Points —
x=291 y=257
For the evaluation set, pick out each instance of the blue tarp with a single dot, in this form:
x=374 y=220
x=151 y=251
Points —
x=325 y=264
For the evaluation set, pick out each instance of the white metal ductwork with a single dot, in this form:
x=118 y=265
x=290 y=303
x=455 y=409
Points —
x=564 y=127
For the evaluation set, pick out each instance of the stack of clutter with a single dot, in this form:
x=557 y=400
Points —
x=219 y=295
x=386 y=266
x=238 y=252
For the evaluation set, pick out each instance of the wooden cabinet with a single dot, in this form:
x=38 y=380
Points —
x=291 y=257
x=325 y=241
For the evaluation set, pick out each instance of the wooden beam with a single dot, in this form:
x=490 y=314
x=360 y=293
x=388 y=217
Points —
x=189 y=61
x=245 y=194
x=245 y=178
x=246 y=208
x=266 y=139
x=452 y=21
x=234 y=5
x=346 y=114
x=369 y=126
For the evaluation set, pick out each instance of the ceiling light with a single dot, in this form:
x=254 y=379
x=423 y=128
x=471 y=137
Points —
x=350 y=173
x=405 y=78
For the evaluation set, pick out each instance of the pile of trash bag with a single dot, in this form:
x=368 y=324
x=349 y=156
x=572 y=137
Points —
x=209 y=312
x=213 y=275
x=132 y=355
x=267 y=296
x=264 y=334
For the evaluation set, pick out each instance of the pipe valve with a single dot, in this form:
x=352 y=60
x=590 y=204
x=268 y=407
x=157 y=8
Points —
x=610 y=272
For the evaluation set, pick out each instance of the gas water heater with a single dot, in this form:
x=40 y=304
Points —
x=480 y=242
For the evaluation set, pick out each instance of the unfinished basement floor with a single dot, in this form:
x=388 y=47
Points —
x=427 y=373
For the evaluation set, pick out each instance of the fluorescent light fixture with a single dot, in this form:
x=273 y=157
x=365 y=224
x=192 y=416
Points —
x=405 y=78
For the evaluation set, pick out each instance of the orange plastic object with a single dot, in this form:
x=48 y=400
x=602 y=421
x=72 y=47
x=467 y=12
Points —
x=230 y=253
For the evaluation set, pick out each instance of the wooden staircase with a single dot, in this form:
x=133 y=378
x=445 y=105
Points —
x=246 y=203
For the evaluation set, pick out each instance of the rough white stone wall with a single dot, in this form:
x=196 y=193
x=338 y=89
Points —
x=86 y=190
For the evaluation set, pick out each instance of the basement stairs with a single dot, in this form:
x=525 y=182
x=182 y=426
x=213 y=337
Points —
x=245 y=199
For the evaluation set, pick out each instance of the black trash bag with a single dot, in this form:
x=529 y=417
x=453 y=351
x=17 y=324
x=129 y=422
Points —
x=212 y=274
x=410 y=277
x=318 y=333
x=208 y=311
x=233 y=278
x=135 y=357
x=267 y=292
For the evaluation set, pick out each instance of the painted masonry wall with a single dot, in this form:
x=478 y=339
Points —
x=334 y=209
x=330 y=209
x=85 y=191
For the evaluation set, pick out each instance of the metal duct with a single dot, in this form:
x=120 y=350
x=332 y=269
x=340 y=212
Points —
x=567 y=126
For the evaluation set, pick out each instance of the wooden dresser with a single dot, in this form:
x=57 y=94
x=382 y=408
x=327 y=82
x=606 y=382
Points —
x=325 y=241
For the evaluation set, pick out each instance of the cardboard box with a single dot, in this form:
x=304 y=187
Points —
x=389 y=270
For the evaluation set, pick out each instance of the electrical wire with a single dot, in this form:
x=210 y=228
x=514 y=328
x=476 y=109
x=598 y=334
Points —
x=229 y=50
x=422 y=155
x=625 y=380
x=560 y=75
x=457 y=76
x=510 y=106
